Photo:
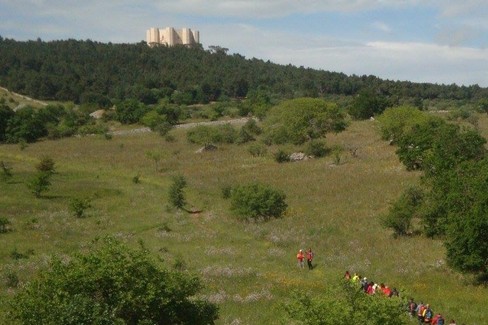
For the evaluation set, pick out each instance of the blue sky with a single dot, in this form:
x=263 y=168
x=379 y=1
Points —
x=438 y=41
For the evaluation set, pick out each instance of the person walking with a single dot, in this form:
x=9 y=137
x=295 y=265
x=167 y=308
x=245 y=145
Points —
x=300 y=257
x=310 y=259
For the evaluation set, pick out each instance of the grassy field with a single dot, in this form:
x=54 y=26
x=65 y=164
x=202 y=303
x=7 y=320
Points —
x=248 y=268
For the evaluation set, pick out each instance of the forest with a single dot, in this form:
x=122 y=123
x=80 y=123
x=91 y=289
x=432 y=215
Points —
x=87 y=71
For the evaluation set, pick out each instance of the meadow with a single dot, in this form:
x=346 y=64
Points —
x=248 y=268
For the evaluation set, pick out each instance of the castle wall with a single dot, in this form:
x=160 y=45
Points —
x=169 y=36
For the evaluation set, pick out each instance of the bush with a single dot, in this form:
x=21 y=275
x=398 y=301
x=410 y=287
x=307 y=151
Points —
x=78 y=206
x=345 y=305
x=257 y=150
x=203 y=134
x=282 y=156
x=257 y=201
x=40 y=183
x=111 y=284
x=176 y=194
x=46 y=165
x=226 y=191
x=316 y=148
x=4 y=225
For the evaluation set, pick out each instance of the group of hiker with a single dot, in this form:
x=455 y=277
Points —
x=301 y=257
x=421 y=311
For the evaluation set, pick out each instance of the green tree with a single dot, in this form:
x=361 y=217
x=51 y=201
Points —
x=130 y=111
x=40 y=183
x=176 y=192
x=257 y=201
x=467 y=248
x=299 y=120
x=367 y=103
x=111 y=284
x=401 y=213
x=5 y=115
x=396 y=121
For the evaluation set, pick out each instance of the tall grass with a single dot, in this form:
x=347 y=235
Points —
x=248 y=268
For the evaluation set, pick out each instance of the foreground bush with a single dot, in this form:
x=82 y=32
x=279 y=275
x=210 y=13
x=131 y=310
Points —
x=111 y=284
x=257 y=201
x=345 y=305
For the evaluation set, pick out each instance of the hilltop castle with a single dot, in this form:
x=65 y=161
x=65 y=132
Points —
x=170 y=36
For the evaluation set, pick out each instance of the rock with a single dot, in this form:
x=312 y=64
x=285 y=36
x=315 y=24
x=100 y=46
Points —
x=298 y=156
x=98 y=114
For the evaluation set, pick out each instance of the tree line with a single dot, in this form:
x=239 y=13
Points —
x=451 y=199
x=93 y=72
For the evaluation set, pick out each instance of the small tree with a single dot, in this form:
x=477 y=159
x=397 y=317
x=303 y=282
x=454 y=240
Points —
x=257 y=201
x=40 y=183
x=46 y=165
x=399 y=217
x=78 y=206
x=176 y=193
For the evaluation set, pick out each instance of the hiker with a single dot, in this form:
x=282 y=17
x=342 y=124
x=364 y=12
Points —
x=309 y=258
x=386 y=290
x=370 y=289
x=364 y=284
x=427 y=314
x=412 y=306
x=347 y=276
x=420 y=312
x=438 y=320
x=394 y=293
x=300 y=258
x=356 y=278
x=452 y=322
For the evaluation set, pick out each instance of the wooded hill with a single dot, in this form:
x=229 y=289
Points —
x=94 y=72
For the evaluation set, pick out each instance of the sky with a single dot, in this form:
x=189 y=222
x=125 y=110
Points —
x=436 y=41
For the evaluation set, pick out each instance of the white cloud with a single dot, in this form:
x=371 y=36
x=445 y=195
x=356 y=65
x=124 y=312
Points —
x=381 y=26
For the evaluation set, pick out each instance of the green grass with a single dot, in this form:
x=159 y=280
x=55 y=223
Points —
x=247 y=268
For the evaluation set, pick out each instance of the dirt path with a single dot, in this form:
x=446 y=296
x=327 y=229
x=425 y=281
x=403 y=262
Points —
x=183 y=126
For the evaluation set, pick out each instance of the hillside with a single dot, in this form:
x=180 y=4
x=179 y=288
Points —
x=248 y=268
x=93 y=72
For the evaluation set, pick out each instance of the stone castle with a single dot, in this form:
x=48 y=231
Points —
x=169 y=36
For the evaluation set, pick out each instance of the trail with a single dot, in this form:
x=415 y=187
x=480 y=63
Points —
x=238 y=121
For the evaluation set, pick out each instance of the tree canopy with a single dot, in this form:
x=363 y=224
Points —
x=302 y=119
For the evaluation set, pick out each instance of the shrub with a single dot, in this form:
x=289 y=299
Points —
x=176 y=194
x=257 y=201
x=46 y=165
x=344 y=305
x=226 y=191
x=111 y=284
x=40 y=183
x=316 y=148
x=282 y=156
x=11 y=279
x=4 y=225
x=257 y=150
x=203 y=134
x=78 y=206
